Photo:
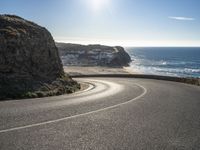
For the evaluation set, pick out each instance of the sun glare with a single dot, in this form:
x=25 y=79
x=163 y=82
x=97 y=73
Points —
x=97 y=5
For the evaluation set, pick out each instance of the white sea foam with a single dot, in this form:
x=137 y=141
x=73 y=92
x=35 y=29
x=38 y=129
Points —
x=149 y=67
x=166 y=61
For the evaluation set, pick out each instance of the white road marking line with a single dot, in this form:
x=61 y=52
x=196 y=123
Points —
x=90 y=87
x=78 y=115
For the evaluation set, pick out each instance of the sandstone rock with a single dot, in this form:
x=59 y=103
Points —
x=28 y=57
x=93 y=55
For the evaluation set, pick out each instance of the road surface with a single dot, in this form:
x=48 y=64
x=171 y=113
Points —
x=113 y=113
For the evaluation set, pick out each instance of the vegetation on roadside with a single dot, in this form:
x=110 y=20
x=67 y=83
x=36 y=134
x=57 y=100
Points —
x=63 y=85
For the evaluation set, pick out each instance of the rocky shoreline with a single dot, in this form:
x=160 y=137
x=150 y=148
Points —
x=93 y=55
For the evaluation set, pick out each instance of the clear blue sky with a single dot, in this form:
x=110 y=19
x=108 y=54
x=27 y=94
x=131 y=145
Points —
x=114 y=22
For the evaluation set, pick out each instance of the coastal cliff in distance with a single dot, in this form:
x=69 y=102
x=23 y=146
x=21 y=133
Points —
x=93 y=55
x=30 y=65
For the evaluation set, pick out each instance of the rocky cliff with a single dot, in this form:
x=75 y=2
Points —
x=29 y=60
x=93 y=55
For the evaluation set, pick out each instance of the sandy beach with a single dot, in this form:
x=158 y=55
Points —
x=74 y=70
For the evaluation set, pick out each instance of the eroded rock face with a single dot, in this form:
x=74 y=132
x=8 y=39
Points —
x=28 y=56
x=27 y=49
x=93 y=55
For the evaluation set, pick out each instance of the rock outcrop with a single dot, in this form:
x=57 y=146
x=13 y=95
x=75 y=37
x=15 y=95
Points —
x=93 y=55
x=29 y=60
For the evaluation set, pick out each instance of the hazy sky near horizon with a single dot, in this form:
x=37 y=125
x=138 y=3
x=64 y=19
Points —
x=114 y=22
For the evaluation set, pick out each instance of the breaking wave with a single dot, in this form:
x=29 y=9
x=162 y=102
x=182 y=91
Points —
x=187 y=65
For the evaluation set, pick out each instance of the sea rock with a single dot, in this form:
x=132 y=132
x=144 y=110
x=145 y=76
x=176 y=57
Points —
x=93 y=55
x=28 y=58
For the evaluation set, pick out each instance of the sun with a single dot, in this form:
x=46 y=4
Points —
x=98 y=5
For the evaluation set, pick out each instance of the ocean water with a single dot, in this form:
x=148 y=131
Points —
x=182 y=62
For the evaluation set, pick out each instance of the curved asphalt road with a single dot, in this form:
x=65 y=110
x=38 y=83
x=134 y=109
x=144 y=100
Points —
x=113 y=113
